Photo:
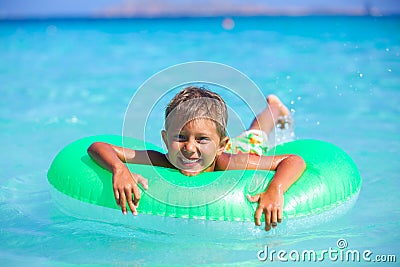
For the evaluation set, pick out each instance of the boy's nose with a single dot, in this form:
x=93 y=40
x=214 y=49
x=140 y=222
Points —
x=190 y=146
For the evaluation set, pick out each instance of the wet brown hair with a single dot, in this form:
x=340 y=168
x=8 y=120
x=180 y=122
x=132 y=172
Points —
x=197 y=102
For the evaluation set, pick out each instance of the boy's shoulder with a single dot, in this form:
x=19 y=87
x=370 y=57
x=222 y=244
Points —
x=223 y=162
x=158 y=159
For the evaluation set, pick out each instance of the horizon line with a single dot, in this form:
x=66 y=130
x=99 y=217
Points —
x=196 y=16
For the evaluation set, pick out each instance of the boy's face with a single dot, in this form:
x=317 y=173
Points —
x=193 y=147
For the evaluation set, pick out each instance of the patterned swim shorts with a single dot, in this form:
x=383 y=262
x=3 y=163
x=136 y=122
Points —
x=253 y=142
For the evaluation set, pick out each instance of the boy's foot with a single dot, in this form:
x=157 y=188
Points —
x=274 y=100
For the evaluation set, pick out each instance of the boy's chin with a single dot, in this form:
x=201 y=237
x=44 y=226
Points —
x=190 y=172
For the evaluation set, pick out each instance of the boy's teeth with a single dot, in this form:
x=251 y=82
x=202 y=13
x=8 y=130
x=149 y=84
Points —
x=185 y=160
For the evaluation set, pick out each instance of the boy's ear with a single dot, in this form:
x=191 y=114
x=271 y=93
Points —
x=222 y=144
x=164 y=137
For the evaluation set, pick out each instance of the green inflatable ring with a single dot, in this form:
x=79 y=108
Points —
x=330 y=180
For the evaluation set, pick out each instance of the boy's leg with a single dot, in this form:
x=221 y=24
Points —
x=268 y=118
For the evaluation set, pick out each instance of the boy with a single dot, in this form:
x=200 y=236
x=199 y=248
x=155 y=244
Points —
x=196 y=140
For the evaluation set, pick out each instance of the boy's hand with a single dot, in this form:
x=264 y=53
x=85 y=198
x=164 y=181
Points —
x=270 y=203
x=124 y=184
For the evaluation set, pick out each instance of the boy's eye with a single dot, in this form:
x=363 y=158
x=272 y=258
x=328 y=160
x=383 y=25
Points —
x=180 y=137
x=203 y=140
x=183 y=138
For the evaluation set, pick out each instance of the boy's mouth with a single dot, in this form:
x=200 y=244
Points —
x=189 y=162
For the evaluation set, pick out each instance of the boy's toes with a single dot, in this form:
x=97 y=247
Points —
x=274 y=100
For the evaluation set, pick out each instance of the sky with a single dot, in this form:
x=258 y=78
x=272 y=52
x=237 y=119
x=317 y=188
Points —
x=153 y=8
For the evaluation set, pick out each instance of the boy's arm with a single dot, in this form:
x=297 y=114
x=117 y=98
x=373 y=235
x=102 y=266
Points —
x=108 y=155
x=112 y=158
x=288 y=168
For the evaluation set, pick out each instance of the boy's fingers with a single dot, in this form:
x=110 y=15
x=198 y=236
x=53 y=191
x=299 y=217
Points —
x=122 y=201
x=132 y=207
x=274 y=218
x=280 y=215
x=257 y=216
x=128 y=195
x=116 y=196
x=136 y=195
x=267 y=220
x=253 y=198
x=143 y=181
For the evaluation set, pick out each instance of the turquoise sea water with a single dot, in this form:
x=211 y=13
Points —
x=61 y=80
